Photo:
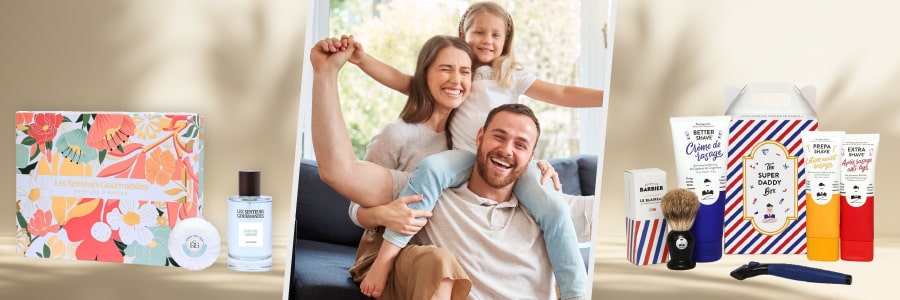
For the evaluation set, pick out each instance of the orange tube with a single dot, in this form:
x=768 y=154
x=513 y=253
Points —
x=822 y=153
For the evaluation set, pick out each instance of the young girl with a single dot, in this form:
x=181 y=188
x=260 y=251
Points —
x=497 y=79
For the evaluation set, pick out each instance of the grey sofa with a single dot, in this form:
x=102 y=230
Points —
x=326 y=240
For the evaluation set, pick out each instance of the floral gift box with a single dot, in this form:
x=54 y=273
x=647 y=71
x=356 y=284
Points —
x=106 y=186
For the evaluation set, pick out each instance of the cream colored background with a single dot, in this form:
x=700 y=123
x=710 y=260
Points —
x=238 y=63
x=674 y=58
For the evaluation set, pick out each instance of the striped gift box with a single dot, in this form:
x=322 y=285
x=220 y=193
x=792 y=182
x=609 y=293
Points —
x=645 y=226
x=765 y=210
x=646 y=241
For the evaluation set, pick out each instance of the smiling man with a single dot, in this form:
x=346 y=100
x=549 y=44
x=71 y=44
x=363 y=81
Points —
x=495 y=239
x=505 y=147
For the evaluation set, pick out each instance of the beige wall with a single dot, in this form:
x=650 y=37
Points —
x=235 y=62
x=674 y=58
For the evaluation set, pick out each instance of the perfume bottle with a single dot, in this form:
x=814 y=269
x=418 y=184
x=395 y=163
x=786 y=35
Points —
x=249 y=226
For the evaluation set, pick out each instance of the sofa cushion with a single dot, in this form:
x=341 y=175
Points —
x=567 y=169
x=587 y=173
x=321 y=271
x=321 y=211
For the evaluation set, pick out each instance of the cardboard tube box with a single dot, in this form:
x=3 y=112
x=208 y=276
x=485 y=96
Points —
x=644 y=223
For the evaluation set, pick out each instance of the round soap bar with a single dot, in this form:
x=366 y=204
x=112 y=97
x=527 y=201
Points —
x=194 y=244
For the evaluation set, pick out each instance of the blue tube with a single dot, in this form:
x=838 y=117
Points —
x=700 y=145
x=708 y=229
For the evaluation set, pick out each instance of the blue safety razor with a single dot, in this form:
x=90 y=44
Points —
x=791 y=271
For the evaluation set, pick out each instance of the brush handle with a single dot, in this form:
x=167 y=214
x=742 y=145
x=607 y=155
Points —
x=681 y=248
x=809 y=274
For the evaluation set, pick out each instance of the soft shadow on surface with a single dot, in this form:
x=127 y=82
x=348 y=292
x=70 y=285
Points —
x=38 y=278
x=616 y=278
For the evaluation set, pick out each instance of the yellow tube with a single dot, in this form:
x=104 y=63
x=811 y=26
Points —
x=822 y=152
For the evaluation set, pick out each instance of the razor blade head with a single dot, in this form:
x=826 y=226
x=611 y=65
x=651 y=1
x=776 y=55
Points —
x=749 y=270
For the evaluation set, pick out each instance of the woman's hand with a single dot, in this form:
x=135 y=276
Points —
x=400 y=218
x=548 y=172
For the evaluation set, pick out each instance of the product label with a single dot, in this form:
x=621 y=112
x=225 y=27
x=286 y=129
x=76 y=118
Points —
x=644 y=190
x=856 y=164
x=194 y=246
x=770 y=193
x=250 y=214
x=650 y=196
x=705 y=145
x=681 y=243
x=822 y=167
x=250 y=234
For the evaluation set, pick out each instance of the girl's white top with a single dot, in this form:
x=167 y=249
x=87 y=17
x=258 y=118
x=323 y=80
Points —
x=485 y=94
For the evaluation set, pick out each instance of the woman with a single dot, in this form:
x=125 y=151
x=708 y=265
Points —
x=440 y=83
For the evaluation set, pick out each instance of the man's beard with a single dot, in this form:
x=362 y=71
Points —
x=484 y=164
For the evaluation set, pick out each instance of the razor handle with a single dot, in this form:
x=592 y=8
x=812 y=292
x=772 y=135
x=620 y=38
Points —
x=809 y=274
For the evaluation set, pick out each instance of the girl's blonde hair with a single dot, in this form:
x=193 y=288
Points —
x=504 y=65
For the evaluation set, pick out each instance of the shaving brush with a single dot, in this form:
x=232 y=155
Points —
x=679 y=208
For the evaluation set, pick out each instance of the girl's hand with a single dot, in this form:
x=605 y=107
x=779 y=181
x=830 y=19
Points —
x=547 y=172
x=400 y=218
x=359 y=54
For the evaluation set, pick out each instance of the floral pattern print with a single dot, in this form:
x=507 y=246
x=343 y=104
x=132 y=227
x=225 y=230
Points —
x=73 y=145
x=160 y=166
x=132 y=222
x=110 y=131
x=42 y=223
x=156 y=252
x=105 y=186
x=44 y=127
x=32 y=194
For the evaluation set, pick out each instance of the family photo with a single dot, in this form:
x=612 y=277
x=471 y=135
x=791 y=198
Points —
x=473 y=183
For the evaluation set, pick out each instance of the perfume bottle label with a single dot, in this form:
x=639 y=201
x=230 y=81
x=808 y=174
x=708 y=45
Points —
x=251 y=213
x=251 y=234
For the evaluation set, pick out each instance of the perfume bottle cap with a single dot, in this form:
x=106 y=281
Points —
x=248 y=183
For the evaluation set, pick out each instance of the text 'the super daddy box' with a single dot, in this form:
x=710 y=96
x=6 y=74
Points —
x=105 y=186
x=644 y=223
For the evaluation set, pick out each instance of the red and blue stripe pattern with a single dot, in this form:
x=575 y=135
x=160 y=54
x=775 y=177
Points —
x=740 y=236
x=646 y=241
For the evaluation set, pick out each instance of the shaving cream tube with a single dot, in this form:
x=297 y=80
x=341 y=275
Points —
x=858 y=196
x=822 y=155
x=701 y=148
